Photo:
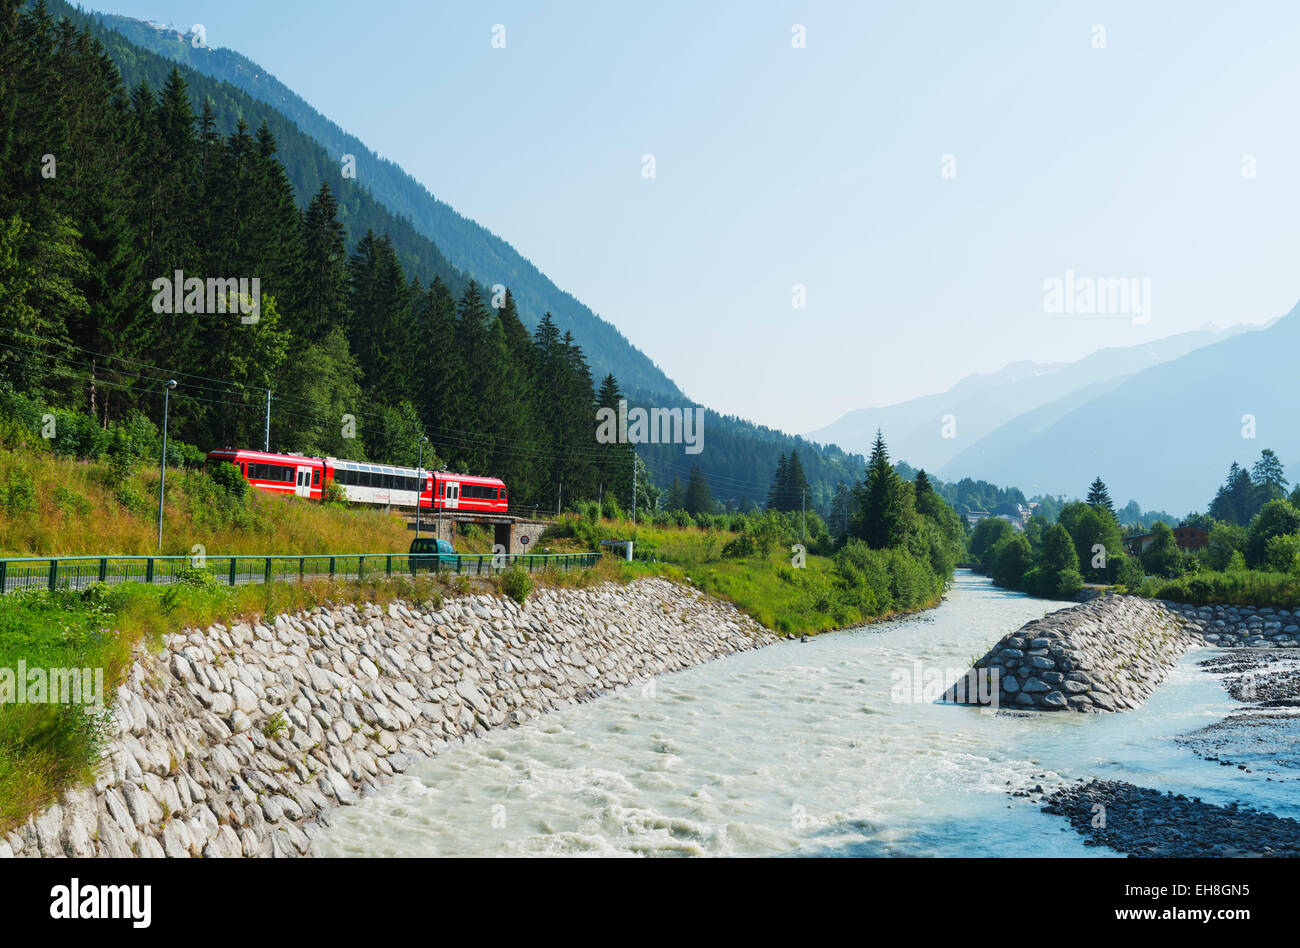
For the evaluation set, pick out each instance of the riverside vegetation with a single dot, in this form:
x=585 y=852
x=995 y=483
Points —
x=746 y=559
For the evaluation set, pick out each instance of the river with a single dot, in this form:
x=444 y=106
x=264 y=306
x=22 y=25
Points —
x=800 y=749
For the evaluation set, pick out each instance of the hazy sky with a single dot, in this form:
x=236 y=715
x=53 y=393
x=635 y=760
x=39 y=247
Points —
x=823 y=166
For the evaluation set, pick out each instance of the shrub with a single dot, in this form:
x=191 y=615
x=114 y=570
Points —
x=1068 y=583
x=1128 y=572
x=71 y=502
x=741 y=546
x=1283 y=553
x=516 y=583
x=333 y=495
x=227 y=477
x=19 y=491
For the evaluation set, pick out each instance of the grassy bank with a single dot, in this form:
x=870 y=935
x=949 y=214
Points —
x=755 y=568
x=45 y=748
x=53 y=506
x=1246 y=587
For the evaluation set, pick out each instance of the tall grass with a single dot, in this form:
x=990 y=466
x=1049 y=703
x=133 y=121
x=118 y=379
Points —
x=52 y=506
x=1245 y=587
x=852 y=587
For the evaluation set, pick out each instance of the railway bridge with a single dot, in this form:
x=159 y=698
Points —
x=516 y=534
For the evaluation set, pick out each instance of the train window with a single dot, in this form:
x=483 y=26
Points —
x=315 y=478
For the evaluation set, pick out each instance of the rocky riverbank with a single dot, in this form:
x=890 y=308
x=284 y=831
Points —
x=1260 y=738
x=238 y=741
x=1145 y=822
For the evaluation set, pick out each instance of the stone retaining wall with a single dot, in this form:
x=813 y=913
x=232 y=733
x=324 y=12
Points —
x=1111 y=652
x=238 y=741
x=1104 y=655
x=1241 y=626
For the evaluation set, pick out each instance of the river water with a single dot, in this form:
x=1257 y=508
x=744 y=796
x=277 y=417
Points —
x=801 y=749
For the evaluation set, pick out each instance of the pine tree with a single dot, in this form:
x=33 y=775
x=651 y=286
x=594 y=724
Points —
x=1099 y=497
x=796 y=484
x=776 y=493
x=698 y=500
x=885 y=511
x=319 y=303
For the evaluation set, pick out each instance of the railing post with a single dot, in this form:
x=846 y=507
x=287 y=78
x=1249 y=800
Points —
x=4 y=569
x=54 y=574
x=390 y=564
x=302 y=568
x=233 y=563
x=331 y=567
x=103 y=568
x=148 y=570
x=267 y=573
x=361 y=567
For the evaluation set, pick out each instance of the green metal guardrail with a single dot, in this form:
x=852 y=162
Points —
x=78 y=572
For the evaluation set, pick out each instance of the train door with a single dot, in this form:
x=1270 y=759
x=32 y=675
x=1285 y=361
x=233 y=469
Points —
x=453 y=495
x=303 y=487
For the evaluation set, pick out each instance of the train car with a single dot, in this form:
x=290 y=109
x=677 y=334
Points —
x=364 y=482
x=468 y=492
x=277 y=473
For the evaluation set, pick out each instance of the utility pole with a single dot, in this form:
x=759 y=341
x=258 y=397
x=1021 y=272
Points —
x=803 y=511
x=634 y=485
x=162 y=470
x=419 y=491
x=559 y=498
x=266 y=440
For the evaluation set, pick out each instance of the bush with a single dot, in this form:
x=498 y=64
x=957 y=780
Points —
x=741 y=546
x=1128 y=572
x=333 y=495
x=1068 y=583
x=19 y=491
x=71 y=502
x=1283 y=553
x=227 y=477
x=516 y=583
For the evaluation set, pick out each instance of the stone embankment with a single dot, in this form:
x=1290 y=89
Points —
x=1241 y=626
x=237 y=741
x=1111 y=652
x=1108 y=654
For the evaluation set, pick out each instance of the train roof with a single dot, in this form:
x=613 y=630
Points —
x=390 y=469
x=251 y=455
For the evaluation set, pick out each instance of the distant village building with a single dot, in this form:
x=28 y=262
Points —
x=1187 y=538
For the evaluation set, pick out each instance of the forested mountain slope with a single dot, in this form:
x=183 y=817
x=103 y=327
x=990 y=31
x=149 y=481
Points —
x=469 y=246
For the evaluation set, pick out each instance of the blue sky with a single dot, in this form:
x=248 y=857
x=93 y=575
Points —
x=822 y=166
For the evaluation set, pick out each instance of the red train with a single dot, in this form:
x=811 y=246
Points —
x=363 y=482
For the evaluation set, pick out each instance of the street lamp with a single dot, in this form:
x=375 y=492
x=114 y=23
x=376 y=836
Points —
x=162 y=470
x=420 y=475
